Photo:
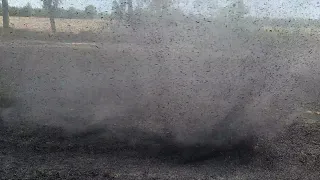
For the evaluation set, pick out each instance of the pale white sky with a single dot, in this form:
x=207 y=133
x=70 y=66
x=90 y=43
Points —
x=262 y=8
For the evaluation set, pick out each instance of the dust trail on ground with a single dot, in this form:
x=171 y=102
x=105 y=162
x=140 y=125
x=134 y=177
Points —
x=210 y=97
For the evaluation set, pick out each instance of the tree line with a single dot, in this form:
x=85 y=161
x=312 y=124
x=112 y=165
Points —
x=123 y=10
x=90 y=12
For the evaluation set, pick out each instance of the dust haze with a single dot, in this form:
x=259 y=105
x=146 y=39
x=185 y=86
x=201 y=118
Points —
x=189 y=79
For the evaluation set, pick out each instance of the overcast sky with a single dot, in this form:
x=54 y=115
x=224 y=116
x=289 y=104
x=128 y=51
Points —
x=269 y=8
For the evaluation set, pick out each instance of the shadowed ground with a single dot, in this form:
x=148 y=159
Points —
x=39 y=152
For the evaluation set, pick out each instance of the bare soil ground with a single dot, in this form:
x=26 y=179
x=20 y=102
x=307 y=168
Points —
x=29 y=150
x=68 y=30
x=40 y=24
x=39 y=152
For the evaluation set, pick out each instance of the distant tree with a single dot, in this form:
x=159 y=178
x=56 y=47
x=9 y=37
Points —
x=232 y=16
x=14 y=11
x=130 y=9
x=39 y=12
x=123 y=9
x=58 y=12
x=26 y=11
x=116 y=12
x=122 y=5
x=234 y=11
x=91 y=11
x=72 y=12
x=158 y=6
x=103 y=15
x=51 y=6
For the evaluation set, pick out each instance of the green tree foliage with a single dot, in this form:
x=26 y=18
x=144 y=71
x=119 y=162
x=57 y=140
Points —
x=71 y=13
x=91 y=11
x=14 y=11
x=26 y=11
x=39 y=12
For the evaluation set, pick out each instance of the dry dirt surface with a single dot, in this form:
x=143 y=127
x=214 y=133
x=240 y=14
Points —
x=63 y=25
x=62 y=124
x=39 y=152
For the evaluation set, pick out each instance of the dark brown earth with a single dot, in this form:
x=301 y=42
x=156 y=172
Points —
x=72 y=147
x=40 y=152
